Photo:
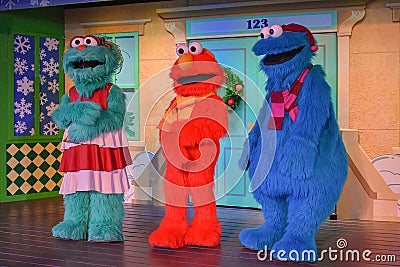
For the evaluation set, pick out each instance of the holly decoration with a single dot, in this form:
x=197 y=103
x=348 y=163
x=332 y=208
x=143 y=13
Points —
x=233 y=89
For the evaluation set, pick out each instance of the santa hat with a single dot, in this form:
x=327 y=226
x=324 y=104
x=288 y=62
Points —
x=299 y=28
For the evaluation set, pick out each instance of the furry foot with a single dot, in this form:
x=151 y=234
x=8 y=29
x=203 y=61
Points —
x=105 y=233
x=169 y=236
x=201 y=235
x=260 y=237
x=295 y=249
x=70 y=230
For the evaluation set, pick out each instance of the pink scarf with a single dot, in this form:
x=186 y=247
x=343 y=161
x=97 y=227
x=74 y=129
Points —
x=284 y=101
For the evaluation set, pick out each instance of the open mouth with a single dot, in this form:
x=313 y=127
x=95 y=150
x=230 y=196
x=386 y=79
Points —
x=87 y=64
x=195 y=78
x=282 y=57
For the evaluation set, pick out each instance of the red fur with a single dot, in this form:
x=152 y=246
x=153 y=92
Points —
x=184 y=176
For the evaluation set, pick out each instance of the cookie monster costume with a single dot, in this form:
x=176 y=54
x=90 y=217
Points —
x=189 y=134
x=94 y=143
x=309 y=162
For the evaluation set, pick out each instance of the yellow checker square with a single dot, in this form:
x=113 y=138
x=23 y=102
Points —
x=38 y=186
x=38 y=173
x=50 y=185
x=12 y=150
x=38 y=148
x=25 y=174
x=25 y=187
x=50 y=172
x=25 y=162
x=50 y=147
x=12 y=163
x=12 y=189
x=38 y=161
x=51 y=159
x=12 y=175
x=25 y=149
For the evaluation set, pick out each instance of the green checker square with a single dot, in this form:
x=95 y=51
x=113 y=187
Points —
x=56 y=153
x=44 y=154
x=32 y=155
x=56 y=165
x=44 y=179
x=31 y=167
x=19 y=168
x=57 y=177
x=19 y=156
x=32 y=191
x=44 y=166
x=31 y=180
x=19 y=181
x=44 y=189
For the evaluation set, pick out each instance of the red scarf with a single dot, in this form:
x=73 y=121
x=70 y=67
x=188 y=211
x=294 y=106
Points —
x=284 y=101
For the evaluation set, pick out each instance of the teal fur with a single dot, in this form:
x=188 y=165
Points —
x=76 y=217
x=106 y=216
x=91 y=215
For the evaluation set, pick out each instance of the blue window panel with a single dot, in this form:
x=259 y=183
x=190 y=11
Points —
x=126 y=77
x=24 y=84
x=49 y=84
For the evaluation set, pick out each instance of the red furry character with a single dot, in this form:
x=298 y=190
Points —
x=189 y=134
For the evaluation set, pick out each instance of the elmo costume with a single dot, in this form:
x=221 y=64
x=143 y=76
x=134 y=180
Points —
x=189 y=134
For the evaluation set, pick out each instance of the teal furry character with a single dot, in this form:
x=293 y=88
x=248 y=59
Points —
x=94 y=143
x=309 y=166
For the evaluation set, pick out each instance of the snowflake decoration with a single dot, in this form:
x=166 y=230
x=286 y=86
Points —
x=50 y=67
x=20 y=127
x=53 y=86
x=50 y=128
x=51 y=44
x=34 y=2
x=11 y=3
x=22 y=108
x=25 y=86
x=41 y=117
x=32 y=131
x=42 y=79
x=50 y=108
x=20 y=66
x=42 y=54
x=43 y=98
x=32 y=67
x=21 y=46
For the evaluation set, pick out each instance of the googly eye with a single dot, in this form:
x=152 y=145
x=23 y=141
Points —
x=195 y=48
x=91 y=41
x=275 y=31
x=264 y=33
x=76 y=41
x=181 y=49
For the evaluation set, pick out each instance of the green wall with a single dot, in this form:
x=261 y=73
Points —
x=41 y=20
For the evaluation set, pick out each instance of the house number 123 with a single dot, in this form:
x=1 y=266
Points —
x=256 y=23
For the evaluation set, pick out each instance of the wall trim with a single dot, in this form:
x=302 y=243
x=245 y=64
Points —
x=344 y=32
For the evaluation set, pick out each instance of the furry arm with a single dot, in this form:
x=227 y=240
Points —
x=85 y=113
x=109 y=120
x=300 y=151
x=209 y=120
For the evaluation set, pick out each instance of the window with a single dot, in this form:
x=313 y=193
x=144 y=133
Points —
x=38 y=84
x=128 y=79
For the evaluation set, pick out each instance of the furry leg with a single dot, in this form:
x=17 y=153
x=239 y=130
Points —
x=205 y=229
x=172 y=230
x=76 y=217
x=264 y=236
x=106 y=216
x=305 y=215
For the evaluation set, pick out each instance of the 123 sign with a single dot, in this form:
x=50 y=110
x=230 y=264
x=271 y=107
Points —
x=256 y=23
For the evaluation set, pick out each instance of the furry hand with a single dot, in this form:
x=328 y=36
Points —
x=79 y=133
x=85 y=113
x=297 y=159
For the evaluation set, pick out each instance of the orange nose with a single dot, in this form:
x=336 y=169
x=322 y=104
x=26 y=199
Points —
x=185 y=61
x=81 y=47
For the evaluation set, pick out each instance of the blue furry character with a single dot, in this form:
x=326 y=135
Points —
x=94 y=143
x=309 y=166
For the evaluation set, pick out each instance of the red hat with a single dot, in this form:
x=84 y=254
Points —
x=299 y=28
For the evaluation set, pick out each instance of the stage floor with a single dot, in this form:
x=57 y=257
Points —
x=26 y=240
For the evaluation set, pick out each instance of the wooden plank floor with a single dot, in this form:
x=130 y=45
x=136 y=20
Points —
x=26 y=240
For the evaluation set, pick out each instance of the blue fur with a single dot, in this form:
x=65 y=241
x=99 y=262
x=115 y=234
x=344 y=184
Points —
x=309 y=167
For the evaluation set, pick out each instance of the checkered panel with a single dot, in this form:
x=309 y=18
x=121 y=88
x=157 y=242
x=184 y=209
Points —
x=33 y=168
